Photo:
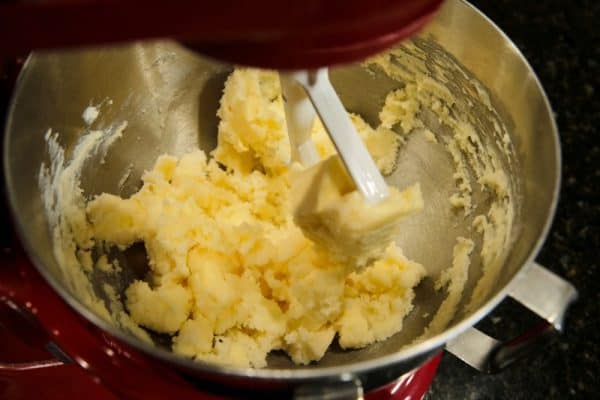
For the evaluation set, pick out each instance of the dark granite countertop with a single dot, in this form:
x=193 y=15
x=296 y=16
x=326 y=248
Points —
x=561 y=41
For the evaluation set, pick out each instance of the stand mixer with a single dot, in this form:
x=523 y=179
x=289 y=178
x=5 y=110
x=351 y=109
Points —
x=270 y=34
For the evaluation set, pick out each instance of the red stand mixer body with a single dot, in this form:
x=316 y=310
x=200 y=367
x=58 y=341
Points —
x=268 y=33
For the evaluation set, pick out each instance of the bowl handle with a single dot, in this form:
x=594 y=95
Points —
x=541 y=291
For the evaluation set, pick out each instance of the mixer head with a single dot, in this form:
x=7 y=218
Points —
x=265 y=33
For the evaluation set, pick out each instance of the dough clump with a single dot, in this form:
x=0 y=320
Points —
x=232 y=277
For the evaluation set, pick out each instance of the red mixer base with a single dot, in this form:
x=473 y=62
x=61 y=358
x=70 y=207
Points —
x=69 y=381
x=72 y=382
x=24 y=376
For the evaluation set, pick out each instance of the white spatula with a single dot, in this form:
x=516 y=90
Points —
x=300 y=89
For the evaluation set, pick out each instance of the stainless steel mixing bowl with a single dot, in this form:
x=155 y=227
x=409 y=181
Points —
x=169 y=96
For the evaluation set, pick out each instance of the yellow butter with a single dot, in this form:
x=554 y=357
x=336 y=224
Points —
x=232 y=275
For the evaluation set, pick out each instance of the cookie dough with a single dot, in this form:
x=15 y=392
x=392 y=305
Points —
x=332 y=213
x=232 y=276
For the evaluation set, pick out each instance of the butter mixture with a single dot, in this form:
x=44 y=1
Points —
x=332 y=213
x=238 y=240
x=232 y=275
x=440 y=94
